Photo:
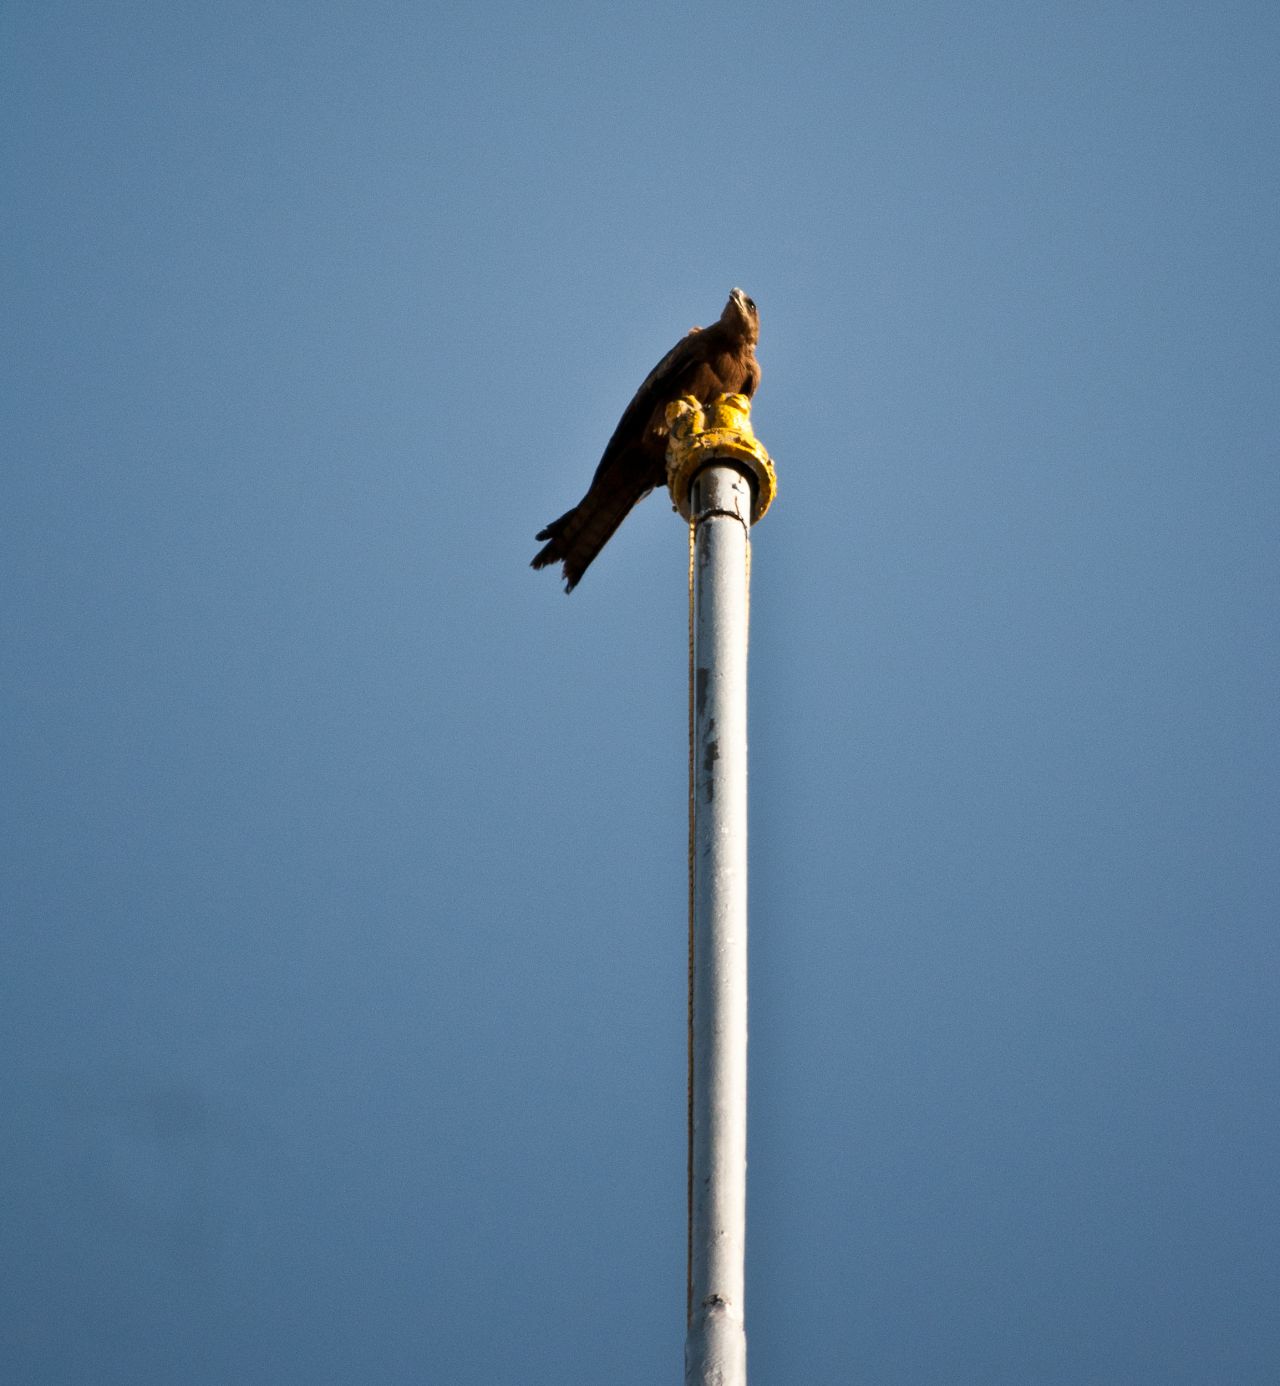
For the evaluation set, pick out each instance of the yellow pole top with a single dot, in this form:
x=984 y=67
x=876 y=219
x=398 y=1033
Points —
x=718 y=431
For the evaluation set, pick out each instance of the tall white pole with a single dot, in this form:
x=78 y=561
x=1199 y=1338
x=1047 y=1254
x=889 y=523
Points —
x=716 y=1344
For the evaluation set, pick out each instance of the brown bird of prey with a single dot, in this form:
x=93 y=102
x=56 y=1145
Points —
x=709 y=361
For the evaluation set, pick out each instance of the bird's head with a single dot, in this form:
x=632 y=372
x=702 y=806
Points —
x=740 y=314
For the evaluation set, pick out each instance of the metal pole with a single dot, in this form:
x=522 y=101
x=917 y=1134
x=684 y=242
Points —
x=716 y=1343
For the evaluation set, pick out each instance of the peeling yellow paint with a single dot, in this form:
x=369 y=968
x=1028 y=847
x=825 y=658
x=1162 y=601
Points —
x=721 y=429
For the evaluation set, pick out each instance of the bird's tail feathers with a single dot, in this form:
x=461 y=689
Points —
x=553 y=534
x=579 y=534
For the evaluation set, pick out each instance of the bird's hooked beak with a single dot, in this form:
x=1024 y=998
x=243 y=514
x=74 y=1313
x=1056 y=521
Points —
x=742 y=311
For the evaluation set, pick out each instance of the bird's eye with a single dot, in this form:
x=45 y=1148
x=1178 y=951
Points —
x=751 y=303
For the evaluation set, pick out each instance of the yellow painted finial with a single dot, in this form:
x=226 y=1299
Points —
x=720 y=429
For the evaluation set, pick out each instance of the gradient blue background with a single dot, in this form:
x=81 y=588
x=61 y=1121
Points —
x=342 y=968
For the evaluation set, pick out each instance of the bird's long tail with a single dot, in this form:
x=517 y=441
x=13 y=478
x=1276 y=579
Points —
x=579 y=534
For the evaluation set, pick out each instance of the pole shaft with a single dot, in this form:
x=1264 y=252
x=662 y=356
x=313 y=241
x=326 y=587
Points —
x=716 y=1345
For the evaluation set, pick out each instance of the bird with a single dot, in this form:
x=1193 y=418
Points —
x=706 y=362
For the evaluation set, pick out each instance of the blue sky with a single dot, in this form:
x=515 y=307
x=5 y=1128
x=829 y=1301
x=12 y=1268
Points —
x=342 y=969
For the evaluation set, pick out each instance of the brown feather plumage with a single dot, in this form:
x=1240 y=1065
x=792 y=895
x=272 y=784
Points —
x=709 y=361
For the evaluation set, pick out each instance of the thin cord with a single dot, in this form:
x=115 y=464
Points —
x=688 y=1290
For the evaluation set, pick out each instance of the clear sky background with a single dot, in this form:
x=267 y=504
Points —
x=342 y=969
